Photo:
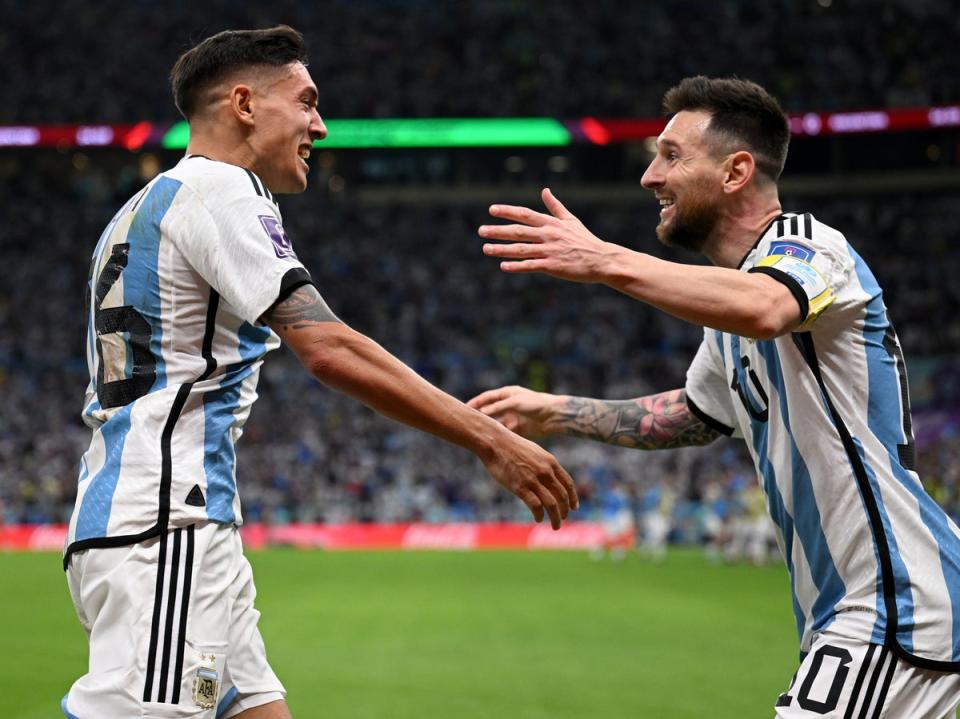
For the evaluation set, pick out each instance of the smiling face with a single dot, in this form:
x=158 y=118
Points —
x=687 y=178
x=285 y=124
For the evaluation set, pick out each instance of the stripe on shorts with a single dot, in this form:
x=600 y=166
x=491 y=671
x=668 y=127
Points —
x=858 y=684
x=185 y=605
x=171 y=603
x=885 y=655
x=885 y=687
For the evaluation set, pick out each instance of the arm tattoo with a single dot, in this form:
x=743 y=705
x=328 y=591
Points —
x=659 y=421
x=303 y=308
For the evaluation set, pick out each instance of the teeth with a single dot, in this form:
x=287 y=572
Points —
x=304 y=153
x=665 y=202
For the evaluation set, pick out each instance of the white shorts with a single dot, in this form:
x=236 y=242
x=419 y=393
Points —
x=846 y=678
x=172 y=629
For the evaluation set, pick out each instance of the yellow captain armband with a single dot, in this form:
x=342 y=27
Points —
x=803 y=279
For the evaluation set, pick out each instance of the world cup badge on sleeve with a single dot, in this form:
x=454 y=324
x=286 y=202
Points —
x=282 y=246
x=206 y=684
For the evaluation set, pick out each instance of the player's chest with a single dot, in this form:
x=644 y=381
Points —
x=752 y=367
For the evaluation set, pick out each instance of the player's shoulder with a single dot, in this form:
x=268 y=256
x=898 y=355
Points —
x=219 y=184
x=801 y=235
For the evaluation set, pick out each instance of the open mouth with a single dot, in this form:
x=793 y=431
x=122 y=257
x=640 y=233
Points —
x=304 y=153
x=666 y=206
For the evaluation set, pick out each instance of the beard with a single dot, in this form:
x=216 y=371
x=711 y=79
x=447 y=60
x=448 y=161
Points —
x=693 y=220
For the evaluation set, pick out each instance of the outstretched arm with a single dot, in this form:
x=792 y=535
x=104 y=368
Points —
x=658 y=421
x=354 y=364
x=558 y=244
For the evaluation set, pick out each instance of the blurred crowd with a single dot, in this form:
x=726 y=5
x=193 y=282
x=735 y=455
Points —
x=558 y=58
x=413 y=278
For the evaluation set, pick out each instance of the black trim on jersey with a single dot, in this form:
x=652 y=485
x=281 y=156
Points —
x=206 y=349
x=292 y=279
x=140 y=196
x=253 y=179
x=795 y=289
x=804 y=342
x=108 y=542
x=707 y=419
x=166 y=459
x=808 y=225
x=184 y=606
x=906 y=453
x=259 y=187
x=166 y=463
x=759 y=238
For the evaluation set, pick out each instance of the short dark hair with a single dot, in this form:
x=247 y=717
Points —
x=742 y=113
x=216 y=57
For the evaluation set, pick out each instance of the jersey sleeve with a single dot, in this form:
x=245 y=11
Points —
x=707 y=388
x=815 y=270
x=242 y=250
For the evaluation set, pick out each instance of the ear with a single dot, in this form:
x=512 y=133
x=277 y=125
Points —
x=241 y=103
x=740 y=168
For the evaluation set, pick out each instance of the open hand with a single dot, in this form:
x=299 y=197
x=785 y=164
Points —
x=535 y=476
x=557 y=244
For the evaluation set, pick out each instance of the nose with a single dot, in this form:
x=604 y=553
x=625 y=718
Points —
x=653 y=176
x=318 y=130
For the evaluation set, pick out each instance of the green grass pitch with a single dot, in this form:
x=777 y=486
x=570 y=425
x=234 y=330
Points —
x=431 y=635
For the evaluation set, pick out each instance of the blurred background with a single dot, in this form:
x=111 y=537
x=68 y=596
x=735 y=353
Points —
x=389 y=231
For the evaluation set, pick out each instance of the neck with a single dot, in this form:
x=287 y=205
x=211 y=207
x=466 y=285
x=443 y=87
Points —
x=739 y=226
x=216 y=143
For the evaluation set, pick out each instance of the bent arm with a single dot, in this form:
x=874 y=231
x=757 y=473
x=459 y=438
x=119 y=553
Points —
x=352 y=363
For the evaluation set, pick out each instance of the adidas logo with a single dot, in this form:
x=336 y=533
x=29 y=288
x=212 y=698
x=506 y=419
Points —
x=195 y=498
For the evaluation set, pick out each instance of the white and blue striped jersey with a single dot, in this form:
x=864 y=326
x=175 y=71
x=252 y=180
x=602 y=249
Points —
x=825 y=414
x=178 y=282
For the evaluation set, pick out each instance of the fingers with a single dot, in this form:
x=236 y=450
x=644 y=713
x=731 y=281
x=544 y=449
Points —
x=525 y=266
x=495 y=409
x=491 y=395
x=521 y=214
x=511 y=233
x=554 y=499
x=555 y=206
x=569 y=487
x=533 y=503
x=554 y=489
x=519 y=251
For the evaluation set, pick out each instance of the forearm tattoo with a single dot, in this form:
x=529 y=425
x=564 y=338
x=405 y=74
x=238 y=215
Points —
x=659 y=421
x=303 y=308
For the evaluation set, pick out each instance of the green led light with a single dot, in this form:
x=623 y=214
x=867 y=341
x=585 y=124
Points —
x=177 y=136
x=452 y=132
x=486 y=132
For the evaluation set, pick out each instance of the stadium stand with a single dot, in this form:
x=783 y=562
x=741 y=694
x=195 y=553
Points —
x=414 y=58
x=412 y=276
